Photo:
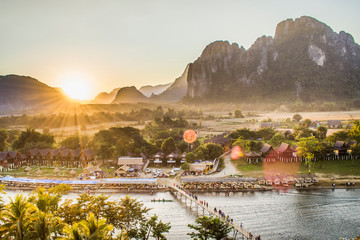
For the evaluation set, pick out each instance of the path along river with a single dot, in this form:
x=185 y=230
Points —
x=311 y=214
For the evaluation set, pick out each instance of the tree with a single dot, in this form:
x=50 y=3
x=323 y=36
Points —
x=338 y=136
x=152 y=226
x=185 y=166
x=238 y=113
x=17 y=218
x=209 y=228
x=307 y=148
x=321 y=132
x=265 y=133
x=32 y=136
x=4 y=136
x=277 y=139
x=297 y=117
x=95 y=229
x=190 y=157
x=213 y=151
x=44 y=225
x=131 y=213
x=168 y=146
x=306 y=123
x=75 y=141
x=354 y=132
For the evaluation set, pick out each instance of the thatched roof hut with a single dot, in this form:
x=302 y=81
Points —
x=56 y=170
x=27 y=169
x=38 y=172
x=72 y=172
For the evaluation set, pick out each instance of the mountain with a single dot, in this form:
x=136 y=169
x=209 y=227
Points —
x=156 y=90
x=175 y=92
x=105 y=98
x=25 y=93
x=129 y=95
x=305 y=60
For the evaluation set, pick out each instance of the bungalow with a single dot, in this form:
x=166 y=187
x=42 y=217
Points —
x=334 y=123
x=158 y=158
x=4 y=165
x=268 y=153
x=171 y=158
x=314 y=124
x=87 y=157
x=183 y=158
x=135 y=163
x=287 y=153
x=340 y=148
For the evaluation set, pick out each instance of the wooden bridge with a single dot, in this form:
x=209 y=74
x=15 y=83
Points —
x=195 y=205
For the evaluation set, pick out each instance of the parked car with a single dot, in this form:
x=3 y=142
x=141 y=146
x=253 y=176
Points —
x=172 y=173
x=147 y=170
x=155 y=175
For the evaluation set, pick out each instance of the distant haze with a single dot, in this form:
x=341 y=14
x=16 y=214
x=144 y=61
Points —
x=137 y=43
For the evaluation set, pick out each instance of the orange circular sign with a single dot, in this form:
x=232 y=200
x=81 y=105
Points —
x=189 y=136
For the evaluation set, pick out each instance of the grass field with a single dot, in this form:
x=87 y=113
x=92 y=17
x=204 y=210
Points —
x=328 y=168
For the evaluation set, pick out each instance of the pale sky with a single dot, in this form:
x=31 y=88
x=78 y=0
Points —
x=117 y=43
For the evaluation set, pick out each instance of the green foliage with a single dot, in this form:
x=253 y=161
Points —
x=265 y=133
x=244 y=133
x=190 y=157
x=321 y=132
x=30 y=136
x=4 y=136
x=297 y=117
x=115 y=142
x=354 y=132
x=209 y=228
x=168 y=146
x=277 y=139
x=75 y=141
x=338 y=136
x=185 y=166
x=16 y=218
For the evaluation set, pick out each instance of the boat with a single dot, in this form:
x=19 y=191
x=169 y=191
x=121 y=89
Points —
x=161 y=200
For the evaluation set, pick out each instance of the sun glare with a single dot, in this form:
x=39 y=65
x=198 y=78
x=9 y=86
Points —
x=76 y=86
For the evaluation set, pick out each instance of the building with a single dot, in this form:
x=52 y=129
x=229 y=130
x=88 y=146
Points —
x=334 y=123
x=287 y=153
x=268 y=153
x=134 y=163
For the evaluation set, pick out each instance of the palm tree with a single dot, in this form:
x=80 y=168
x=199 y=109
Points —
x=72 y=232
x=44 y=225
x=95 y=229
x=17 y=217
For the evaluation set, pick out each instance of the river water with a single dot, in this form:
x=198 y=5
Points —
x=308 y=214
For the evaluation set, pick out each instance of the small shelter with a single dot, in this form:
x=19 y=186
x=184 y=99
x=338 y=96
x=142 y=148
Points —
x=39 y=172
x=72 y=172
x=56 y=170
x=252 y=157
x=27 y=169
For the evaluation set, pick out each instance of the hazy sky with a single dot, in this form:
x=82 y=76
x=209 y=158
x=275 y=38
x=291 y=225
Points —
x=117 y=43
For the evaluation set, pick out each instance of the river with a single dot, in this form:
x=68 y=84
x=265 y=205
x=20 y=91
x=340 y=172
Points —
x=308 y=214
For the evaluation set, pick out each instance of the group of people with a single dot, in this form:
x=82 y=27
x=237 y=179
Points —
x=219 y=186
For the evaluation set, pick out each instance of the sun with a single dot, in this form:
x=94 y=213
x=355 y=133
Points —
x=76 y=86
